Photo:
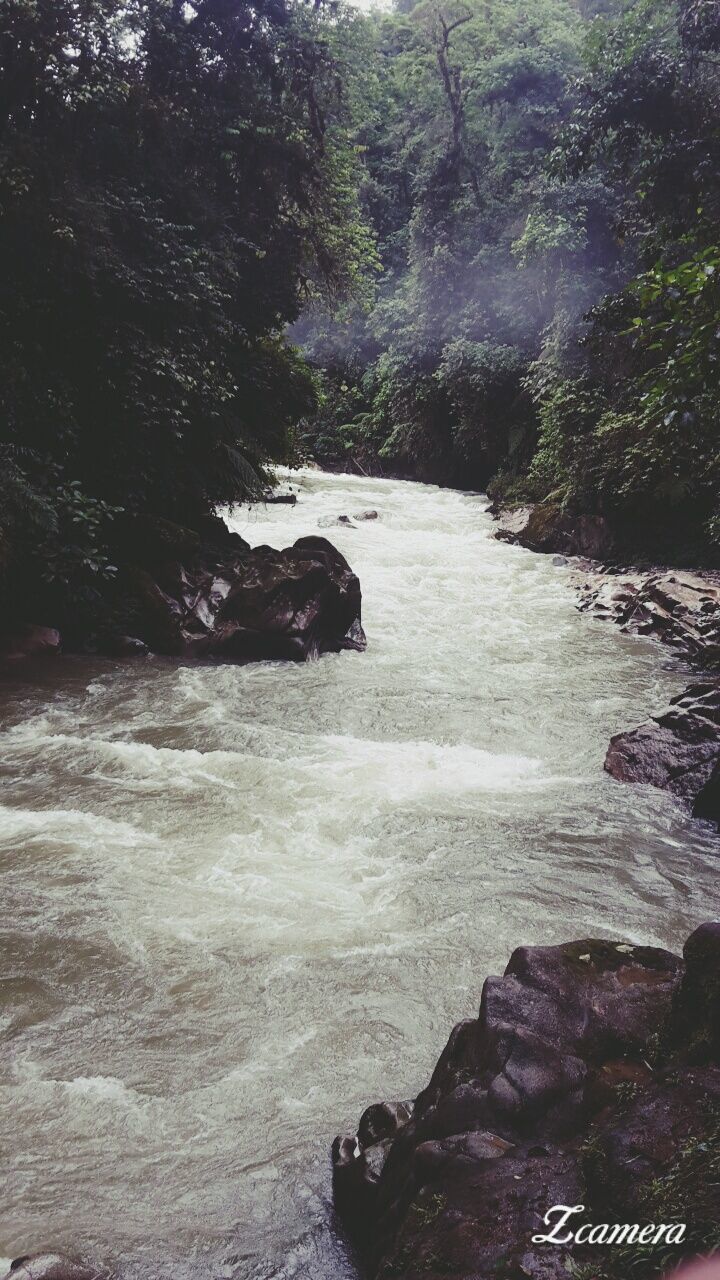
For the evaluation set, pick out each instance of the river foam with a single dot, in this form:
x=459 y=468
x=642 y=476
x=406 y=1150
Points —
x=240 y=903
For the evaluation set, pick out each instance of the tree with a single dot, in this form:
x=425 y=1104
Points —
x=175 y=181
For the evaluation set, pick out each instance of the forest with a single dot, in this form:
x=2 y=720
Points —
x=467 y=242
x=542 y=182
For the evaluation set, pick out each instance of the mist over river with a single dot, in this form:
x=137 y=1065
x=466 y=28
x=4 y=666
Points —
x=240 y=903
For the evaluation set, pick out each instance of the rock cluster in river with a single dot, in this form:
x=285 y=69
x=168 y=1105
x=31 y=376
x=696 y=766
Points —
x=681 y=609
x=208 y=594
x=678 y=749
x=222 y=599
x=590 y=1077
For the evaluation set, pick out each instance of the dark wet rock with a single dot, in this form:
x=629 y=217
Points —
x=678 y=750
x=707 y=800
x=496 y=1138
x=123 y=647
x=29 y=641
x=366 y=515
x=287 y=499
x=53 y=1266
x=653 y=1158
x=681 y=609
x=328 y=522
x=693 y=1035
x=230 y=602
x=546 y=527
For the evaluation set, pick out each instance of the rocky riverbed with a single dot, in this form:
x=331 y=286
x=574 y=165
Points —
x=677 y=749
x=591 y=1078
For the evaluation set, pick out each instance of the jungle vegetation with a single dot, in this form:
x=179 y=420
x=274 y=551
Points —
x=470 y=241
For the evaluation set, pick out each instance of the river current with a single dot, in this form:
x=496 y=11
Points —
x=241 y=903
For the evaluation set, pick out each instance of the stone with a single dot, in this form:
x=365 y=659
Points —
x=248 y=605
x=123 y=647
x=680 y=609
x=366 y=515
x=53 y=1266
x=678 y=750
x=546 y=527
x=694 y=1028
x=29 y=641
x=460 y=1184
x=644 y=1139
x=327 y=522
x=707 y=800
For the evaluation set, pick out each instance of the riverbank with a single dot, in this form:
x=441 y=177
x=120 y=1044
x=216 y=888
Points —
x=679 y=748
x=204 y=593
x=590 y=1078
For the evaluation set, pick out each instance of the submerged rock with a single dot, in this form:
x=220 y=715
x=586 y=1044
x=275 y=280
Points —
x=123 y=647
x=366 y=515
x=580 y=1082
x=327 y=522
x=53 y=1266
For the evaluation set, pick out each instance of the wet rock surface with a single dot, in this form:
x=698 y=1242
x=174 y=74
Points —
x=679 y=750
x=681 y=609
x=205 y=593
x=239 y=604
x=545 y=527
x=53 y=1266
x=590 y=1075
x=29 y=641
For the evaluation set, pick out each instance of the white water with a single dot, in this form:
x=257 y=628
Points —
x=241 y=903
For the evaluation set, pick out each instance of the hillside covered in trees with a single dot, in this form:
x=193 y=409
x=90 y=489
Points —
x=468 y=241
x=543 y=183
x=175 y=182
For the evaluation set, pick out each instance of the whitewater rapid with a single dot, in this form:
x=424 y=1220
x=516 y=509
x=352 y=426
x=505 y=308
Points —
x=241 y=903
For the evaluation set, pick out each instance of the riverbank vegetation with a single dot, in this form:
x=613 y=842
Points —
x=543 y=184
x=176 y=181
x=469 y=241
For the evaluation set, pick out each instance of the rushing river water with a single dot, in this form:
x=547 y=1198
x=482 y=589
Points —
x=241 y=903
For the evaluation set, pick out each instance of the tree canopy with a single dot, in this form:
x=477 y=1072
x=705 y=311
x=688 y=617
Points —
x=543 y=184
x=176 y=181
x=472 y=241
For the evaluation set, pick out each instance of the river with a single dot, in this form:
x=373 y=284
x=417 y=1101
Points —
x=239 y=904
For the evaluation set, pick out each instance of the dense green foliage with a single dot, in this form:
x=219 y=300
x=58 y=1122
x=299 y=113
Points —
x=544 y=182
x=176 y=181
x=490 y=229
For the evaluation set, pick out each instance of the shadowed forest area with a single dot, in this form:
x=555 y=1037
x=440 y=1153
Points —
x=542 y=180
x=469 y=242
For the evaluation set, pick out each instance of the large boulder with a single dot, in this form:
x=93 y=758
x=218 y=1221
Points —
x=228 y=601
x=678 y=750
x=460 y=1182
x=547 y=527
